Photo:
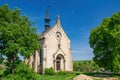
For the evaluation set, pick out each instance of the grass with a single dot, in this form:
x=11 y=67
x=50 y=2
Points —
x=68 y=76
x=54 y=77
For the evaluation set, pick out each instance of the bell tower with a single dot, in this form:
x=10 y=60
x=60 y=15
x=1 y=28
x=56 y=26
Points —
x=47 y=21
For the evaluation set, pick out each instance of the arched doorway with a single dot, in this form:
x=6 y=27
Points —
x=60 y=62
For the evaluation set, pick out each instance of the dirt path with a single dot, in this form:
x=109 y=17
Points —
x=85 y=77
x=105 y=78
x=82 y=77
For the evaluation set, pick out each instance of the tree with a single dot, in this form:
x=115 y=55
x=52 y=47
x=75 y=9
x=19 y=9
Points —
x=76 y=66
x=85 y=66
x=105 y=41
x=17 y=36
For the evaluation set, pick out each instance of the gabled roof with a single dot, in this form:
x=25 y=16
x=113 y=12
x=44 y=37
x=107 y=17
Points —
x=58 y=24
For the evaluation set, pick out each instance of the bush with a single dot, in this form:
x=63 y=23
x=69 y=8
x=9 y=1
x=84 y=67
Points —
x=77 y=72
x=62 y=73
x=49 y=71
x=22 y=72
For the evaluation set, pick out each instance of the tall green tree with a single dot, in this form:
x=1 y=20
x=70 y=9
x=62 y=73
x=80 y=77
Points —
x=17 y=36
x=105 y=41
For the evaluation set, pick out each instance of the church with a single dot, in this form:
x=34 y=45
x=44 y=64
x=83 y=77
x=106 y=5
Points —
x=55 y=51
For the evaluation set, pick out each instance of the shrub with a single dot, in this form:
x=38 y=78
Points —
x=22 y=72
x=77 y=73
x=49 y=71
x=62 y=73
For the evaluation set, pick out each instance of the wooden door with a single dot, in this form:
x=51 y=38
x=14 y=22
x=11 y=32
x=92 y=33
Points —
x=58 y=65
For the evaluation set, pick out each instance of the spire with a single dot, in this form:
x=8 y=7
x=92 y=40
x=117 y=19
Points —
x=47 y=20
x=58 y=20
x=47 y=14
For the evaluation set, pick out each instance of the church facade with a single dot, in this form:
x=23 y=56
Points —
x=55 y=51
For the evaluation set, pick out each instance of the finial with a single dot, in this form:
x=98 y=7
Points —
x=58 y=20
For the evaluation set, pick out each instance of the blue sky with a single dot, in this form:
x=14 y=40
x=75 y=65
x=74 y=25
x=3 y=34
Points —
x=78 y=17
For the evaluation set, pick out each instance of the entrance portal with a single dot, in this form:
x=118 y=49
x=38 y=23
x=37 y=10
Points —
x=60 y=62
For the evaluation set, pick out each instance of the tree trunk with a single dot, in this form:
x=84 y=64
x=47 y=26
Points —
x=13 y=58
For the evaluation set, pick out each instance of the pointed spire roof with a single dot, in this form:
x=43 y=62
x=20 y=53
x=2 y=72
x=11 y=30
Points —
x=47 y=20
x=58 y=20
x=47 y=14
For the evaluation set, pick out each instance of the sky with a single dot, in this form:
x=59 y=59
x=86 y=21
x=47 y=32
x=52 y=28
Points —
x=77 y=17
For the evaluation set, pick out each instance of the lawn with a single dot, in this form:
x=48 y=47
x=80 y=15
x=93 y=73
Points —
x=70 y=76
x=67 y=76
x=54 y=77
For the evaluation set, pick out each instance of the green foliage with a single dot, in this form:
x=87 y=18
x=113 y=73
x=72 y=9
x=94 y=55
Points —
x=54 y=77
x=105 y=41
x=17 y=33
x=49 y=71
x=68 y=76
x=1 y=60
x=2 y=69
x=61 y=73
x=22 y=72
x=18 y=36
x=85 y=66
x=76 y=66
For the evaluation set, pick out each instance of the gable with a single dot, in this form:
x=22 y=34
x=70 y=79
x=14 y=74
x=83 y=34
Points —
x=54 y=30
